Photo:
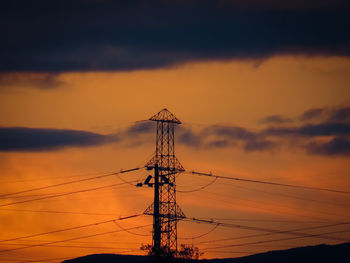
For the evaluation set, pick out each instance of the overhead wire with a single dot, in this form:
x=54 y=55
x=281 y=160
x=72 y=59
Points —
x=267 y=234
x=50 y=178
x=275 y=231
x=262 y=208
x=314 y=211
x=68 y=229
x=198 y=189
x=130 y=232
x=70 y=182
x=291 y=196
x=125 y=191
x=125 y=182
x=271 y=183
x=71 y=239
x=27 y=241
x=141 y=165
x=64 y=194
x=265 y=220
x=74 y=246
x=55 y=193
x=202 y=235
x=277 y=240
x=41 y=195
x=58 y=212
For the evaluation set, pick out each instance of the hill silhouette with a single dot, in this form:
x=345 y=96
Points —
x=109 y=258
x=310 y=254
x=320 y=253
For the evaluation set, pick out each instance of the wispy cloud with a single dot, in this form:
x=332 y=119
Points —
x=276 y=119
x=327 y=137
x=32 y=139
x=311 y=130
x=312 y=114
x=336 y=146
x=30 y=80
x=339 y=114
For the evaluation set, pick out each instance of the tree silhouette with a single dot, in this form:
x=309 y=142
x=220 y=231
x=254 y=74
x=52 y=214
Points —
x=186 y=252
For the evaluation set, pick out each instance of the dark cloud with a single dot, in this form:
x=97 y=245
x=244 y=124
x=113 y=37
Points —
x=217 y=136
x=141 y=127
x=324 y=138
x=311 y=130
x=312 y=114
x=91 y=35
x=330 y=121
x=190 y=138
x=330 y=136
x=336 y=146
x=286 y=5
x=259 y=145
x=223 y=143
x=276 y=119
x=329 y=114
x=30 y=80
x=325 y=129
x=231 y=132
x=340 y=114
x=30 y=139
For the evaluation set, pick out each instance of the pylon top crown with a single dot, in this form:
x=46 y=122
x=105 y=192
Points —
x=165 y=116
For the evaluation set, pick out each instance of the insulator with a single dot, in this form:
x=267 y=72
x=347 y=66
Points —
x=148 y=179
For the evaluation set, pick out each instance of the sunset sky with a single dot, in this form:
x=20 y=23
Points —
x=261 y=88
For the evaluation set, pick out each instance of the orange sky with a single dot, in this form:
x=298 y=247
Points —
x=239 y=93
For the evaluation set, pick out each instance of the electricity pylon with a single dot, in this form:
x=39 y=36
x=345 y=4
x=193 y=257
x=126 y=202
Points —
x=164 y=209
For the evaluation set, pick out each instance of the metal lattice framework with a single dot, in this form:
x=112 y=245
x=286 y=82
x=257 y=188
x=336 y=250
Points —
x=165 y=210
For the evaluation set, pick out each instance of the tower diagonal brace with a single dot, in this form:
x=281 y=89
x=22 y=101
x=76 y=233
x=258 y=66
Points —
x=165 y=211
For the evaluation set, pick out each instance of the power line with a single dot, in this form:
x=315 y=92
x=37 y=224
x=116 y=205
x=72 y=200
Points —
x=318 y=211
x=50 y=178
x=198 y=189
x=125 y=181
x=70 y=182
x=262 y=208
x=58 y=212
x=75 y=246
x=68 y=193
x=266 y=220
x=291 y=196
x=42 y=195
x=68 y=229
x=153 y=164
x=128 y=231
x=271 y=183
x=202 y=235
x=54 y=193
x=26 y=242
x=124 y=191
x=268 y=234
x=281 y=239
x=75 y=238
x=274 y=231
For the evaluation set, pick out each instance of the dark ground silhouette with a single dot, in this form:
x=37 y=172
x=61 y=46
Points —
x=309 y=254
